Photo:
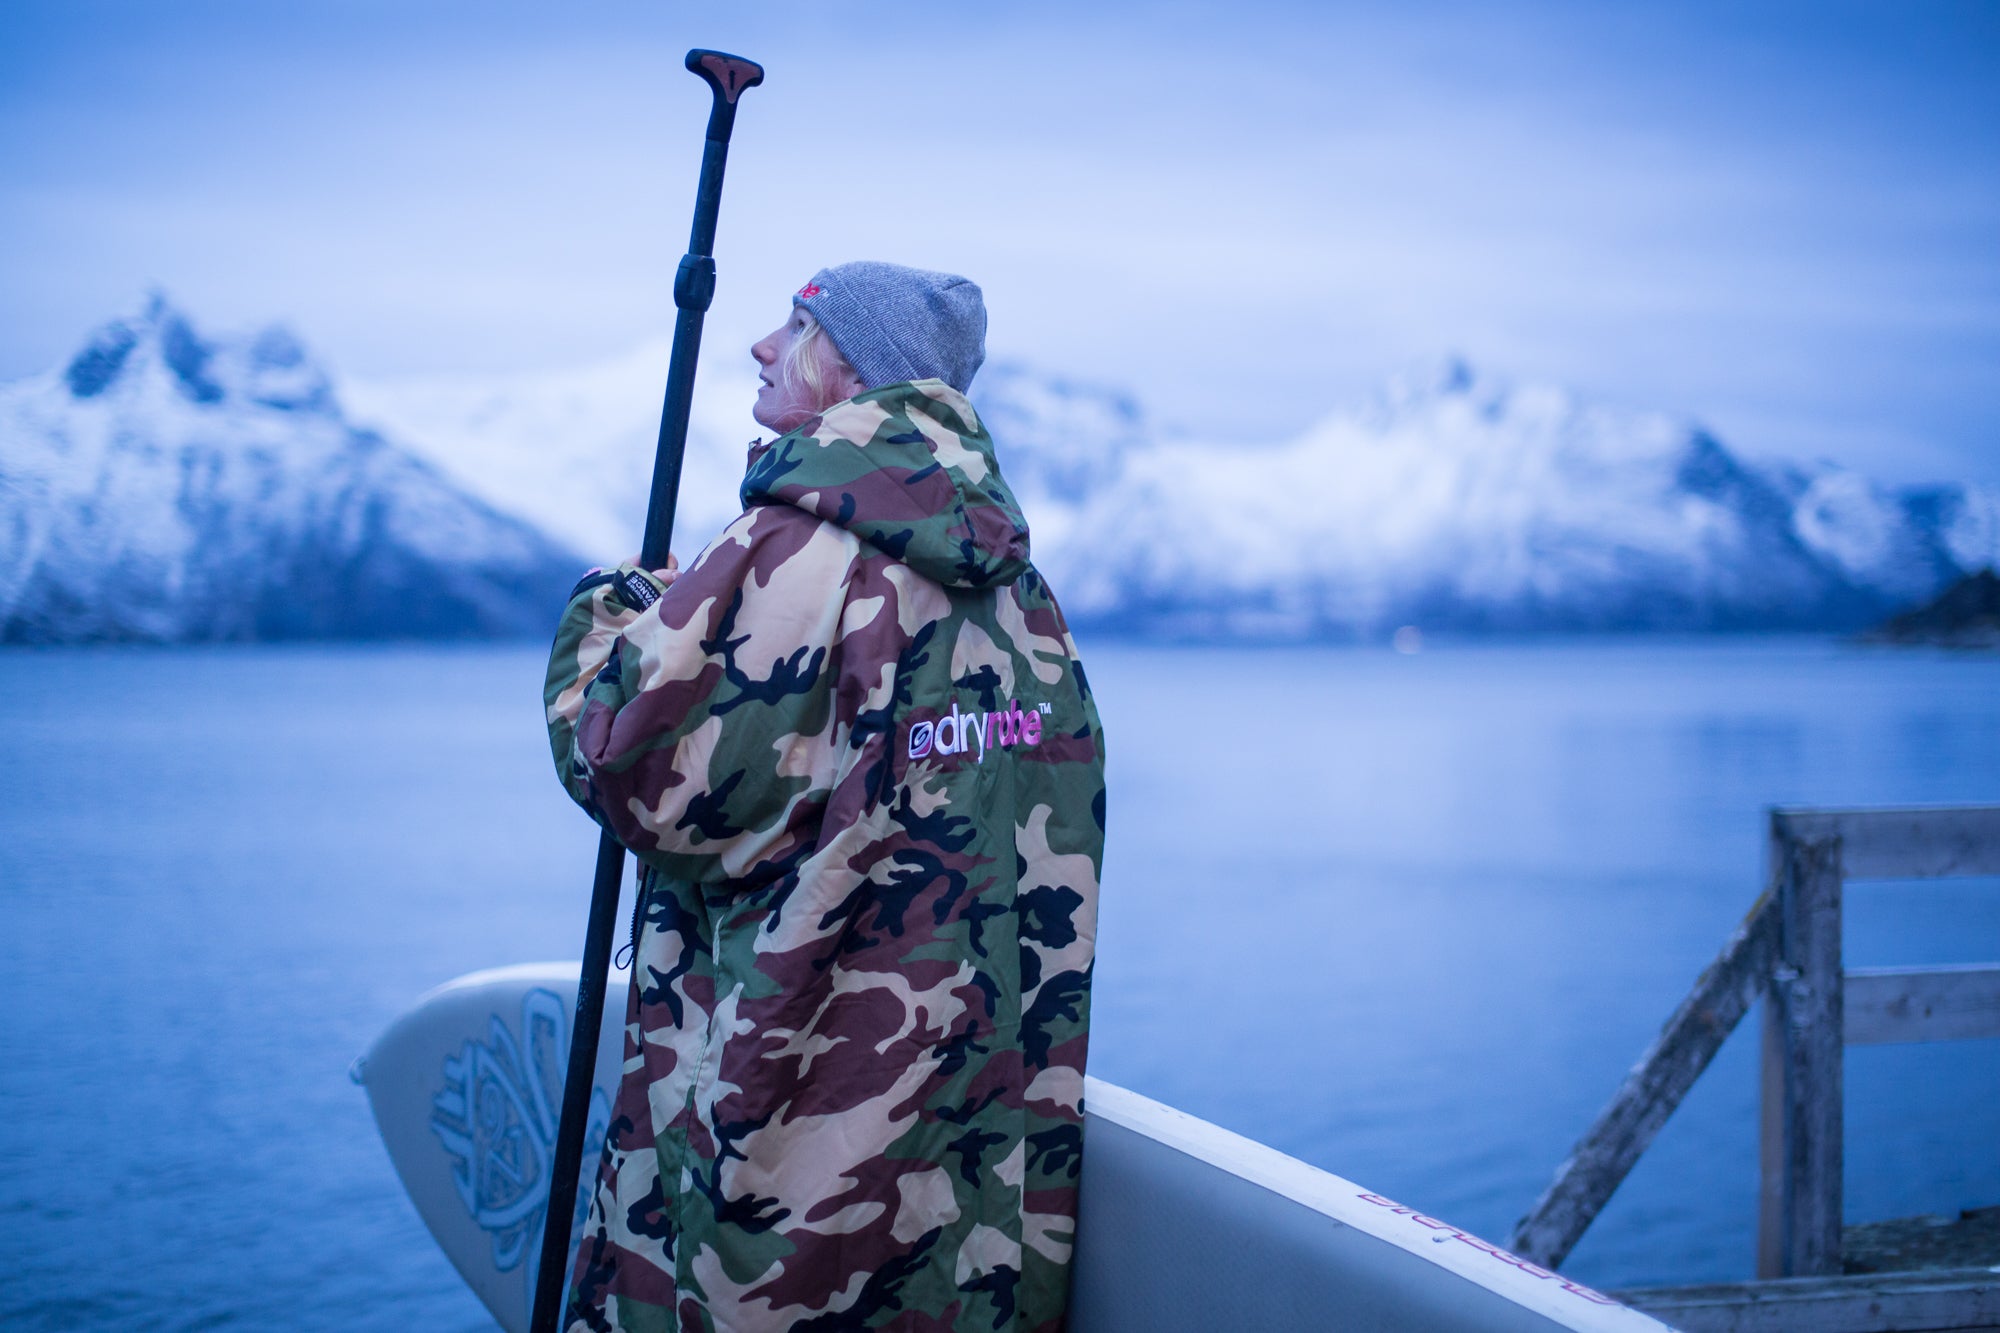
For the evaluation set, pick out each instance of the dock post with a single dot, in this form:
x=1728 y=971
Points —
x=1798 y=1233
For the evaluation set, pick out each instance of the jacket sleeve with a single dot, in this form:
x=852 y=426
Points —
x=699 y=729
x=601 y=605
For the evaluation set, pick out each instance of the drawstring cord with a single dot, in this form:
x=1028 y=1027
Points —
x=629 y=955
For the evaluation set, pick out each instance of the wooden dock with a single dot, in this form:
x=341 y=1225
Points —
x=1911 y=1273
x=1787 y=953
x=1965 y=1300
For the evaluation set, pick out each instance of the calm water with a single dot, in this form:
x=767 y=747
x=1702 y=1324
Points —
x=1409 y=918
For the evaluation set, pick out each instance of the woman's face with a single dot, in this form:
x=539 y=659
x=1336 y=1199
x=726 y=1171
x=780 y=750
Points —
x=784 y=403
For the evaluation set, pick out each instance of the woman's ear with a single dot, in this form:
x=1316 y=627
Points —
x=846 y=382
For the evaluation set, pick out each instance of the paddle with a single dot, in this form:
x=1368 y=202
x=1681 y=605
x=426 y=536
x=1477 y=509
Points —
x=694 y=287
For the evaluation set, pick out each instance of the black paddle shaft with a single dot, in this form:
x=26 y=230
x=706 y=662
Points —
x=694 y=287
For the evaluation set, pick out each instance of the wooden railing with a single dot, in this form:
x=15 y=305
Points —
x=1788 y=952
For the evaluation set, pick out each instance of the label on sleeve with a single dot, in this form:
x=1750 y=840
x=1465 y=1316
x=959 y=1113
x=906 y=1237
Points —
x=635 y=590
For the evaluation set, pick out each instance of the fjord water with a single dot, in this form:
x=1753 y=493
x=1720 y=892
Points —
x=1407 y=917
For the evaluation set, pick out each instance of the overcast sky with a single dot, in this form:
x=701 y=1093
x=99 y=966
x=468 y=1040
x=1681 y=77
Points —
x=1783 y=219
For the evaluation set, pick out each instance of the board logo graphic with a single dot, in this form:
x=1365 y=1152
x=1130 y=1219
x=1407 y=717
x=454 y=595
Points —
x=495 y=1117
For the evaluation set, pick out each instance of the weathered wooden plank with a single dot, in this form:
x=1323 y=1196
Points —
x=1808 y=990
x=1909 y=843
x=1905 y=1244
x=1960 y=1299
x=1771 y=1142
x=1893 y=1004
x=1651 y=1091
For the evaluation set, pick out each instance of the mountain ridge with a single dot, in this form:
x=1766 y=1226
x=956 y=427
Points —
x=1459 y=501
x=1448 y=498
x=166 y=487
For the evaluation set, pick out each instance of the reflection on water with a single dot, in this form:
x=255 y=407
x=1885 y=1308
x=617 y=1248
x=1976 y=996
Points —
x=1408 y=916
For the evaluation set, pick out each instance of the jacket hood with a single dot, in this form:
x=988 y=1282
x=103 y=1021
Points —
x=909 y=469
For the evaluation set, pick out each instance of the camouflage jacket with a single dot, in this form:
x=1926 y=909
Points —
x=854 y=750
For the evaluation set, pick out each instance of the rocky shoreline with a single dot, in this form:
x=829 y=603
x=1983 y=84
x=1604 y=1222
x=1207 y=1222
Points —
x=1965 y=615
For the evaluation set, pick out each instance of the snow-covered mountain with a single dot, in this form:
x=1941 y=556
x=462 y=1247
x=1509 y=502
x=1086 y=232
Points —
x=1449 y=500
x=163 y=486
x=572 y=449
x=1457 y=501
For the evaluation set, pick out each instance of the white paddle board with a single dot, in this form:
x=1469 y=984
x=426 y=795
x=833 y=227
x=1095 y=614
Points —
x=1182 y=1225
x=466 y=1089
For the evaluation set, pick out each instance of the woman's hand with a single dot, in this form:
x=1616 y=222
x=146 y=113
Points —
x=665 y=577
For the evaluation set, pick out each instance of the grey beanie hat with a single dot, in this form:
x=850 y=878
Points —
x=894 y=323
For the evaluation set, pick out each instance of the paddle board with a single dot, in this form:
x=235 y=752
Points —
x=1181 y=1225
x=466 y=1088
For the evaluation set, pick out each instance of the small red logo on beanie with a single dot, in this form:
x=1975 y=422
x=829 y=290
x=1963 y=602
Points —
x=810 y=290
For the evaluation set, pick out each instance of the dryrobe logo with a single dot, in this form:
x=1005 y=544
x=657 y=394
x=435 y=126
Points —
x=957 y=732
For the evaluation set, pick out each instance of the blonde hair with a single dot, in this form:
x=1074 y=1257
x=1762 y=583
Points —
x=811 y=360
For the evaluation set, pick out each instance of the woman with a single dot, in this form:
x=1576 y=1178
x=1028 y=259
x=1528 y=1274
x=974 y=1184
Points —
x=853 y=749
